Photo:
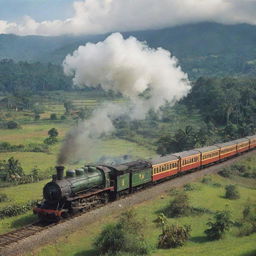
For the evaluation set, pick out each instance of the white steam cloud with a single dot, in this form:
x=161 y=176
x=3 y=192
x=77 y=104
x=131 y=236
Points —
x=102 y=16
x=128 y=67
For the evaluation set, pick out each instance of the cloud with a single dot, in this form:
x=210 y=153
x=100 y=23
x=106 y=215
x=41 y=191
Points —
x=101 y=16
x=130 y=68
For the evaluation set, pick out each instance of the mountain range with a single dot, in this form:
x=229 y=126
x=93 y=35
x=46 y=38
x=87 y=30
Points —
x=203 y=49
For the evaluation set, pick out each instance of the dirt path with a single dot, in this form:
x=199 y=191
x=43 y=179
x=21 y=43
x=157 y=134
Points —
x=47 y=236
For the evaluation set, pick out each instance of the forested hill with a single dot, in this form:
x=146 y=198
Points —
x=205 y=49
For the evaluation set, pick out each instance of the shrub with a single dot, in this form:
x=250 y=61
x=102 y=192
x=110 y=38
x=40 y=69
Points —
x=63 y=117
x=206 y=180
x=33 y=147
x=37 y=117
x=190 y=187
x=241 y=168
x=111 y=239
x=50 y=140
x=3 y=197
x=173 y=236
x=126 y=236
x=53 y=116
x=16 y=209
x=179 y=206
x=174 y=192
x=248 y=222
x=232 y=192
x=218 y=228
x=225 y=172
x=12 y=125
x=161 y=220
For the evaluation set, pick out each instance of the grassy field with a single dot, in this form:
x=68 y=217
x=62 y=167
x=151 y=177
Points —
x=32 y=131
x=210 y=196
x=20 y=195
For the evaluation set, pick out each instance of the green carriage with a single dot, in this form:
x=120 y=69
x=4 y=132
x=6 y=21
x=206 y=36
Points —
x=132 y=175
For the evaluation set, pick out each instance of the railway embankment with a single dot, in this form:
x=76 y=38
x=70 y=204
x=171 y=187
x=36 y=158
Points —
x=50 y=234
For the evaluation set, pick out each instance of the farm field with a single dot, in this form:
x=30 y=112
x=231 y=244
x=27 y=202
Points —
x=208 y=195
x=36 y=132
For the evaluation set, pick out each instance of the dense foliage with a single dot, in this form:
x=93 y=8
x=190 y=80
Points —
x=173 y=236
x=126 y=236
x=226 y=101
x=221 y=224
x=232 y=192
x=16 y=209
x=248 y=221
x=179 y=206
x=227 y=107
x=24 y=78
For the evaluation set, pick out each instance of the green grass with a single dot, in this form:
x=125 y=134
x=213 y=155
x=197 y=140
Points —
x=20 y=195
x=32 y=133
x=36 y=133
x=207 y=196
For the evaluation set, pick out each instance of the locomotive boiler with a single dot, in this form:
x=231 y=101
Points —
x=65 y=195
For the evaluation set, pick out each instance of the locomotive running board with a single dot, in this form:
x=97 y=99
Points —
x=91 y=194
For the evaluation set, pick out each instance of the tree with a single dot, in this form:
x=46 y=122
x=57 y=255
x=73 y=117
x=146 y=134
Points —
x=52 y=139
x=53 y=116
x=12 y=169
x=179 y=206
x=182 y=140
x=232 y=192
x=37 y=117
x=12 y=125
x=53 y=132
x=68 y=106
x=218 y=228
x=126 y=236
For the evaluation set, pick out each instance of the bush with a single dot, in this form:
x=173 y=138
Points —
x=37 y=117
x=3 y=197
x=218 y=228
x=53 y=116
x=50 y=140
x=12 y=125
x=248 y=222
x=225 y=172
x=16 y=209
x=173 y=236
x=190 y=187
x=126 y=236
x=232 y=192
x=179 y=206
x=63 y=117
x=206 y=180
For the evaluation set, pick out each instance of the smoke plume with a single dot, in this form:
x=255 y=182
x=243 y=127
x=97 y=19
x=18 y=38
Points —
x=128 y=67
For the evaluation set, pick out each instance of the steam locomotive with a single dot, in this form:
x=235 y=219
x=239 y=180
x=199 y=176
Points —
x=89 y=186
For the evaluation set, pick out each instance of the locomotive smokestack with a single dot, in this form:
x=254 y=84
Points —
x=60 y=172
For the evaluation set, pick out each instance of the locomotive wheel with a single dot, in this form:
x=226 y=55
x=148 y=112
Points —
x=64 y=215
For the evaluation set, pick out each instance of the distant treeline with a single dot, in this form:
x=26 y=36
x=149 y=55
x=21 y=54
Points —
x=225 y=101
x=26 y=78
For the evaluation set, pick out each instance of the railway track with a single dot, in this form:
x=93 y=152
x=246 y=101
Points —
x=17 y=235
x=14 y=237
x=24 y=232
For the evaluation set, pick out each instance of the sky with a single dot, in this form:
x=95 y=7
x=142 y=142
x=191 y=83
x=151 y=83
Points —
x=80 y=17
